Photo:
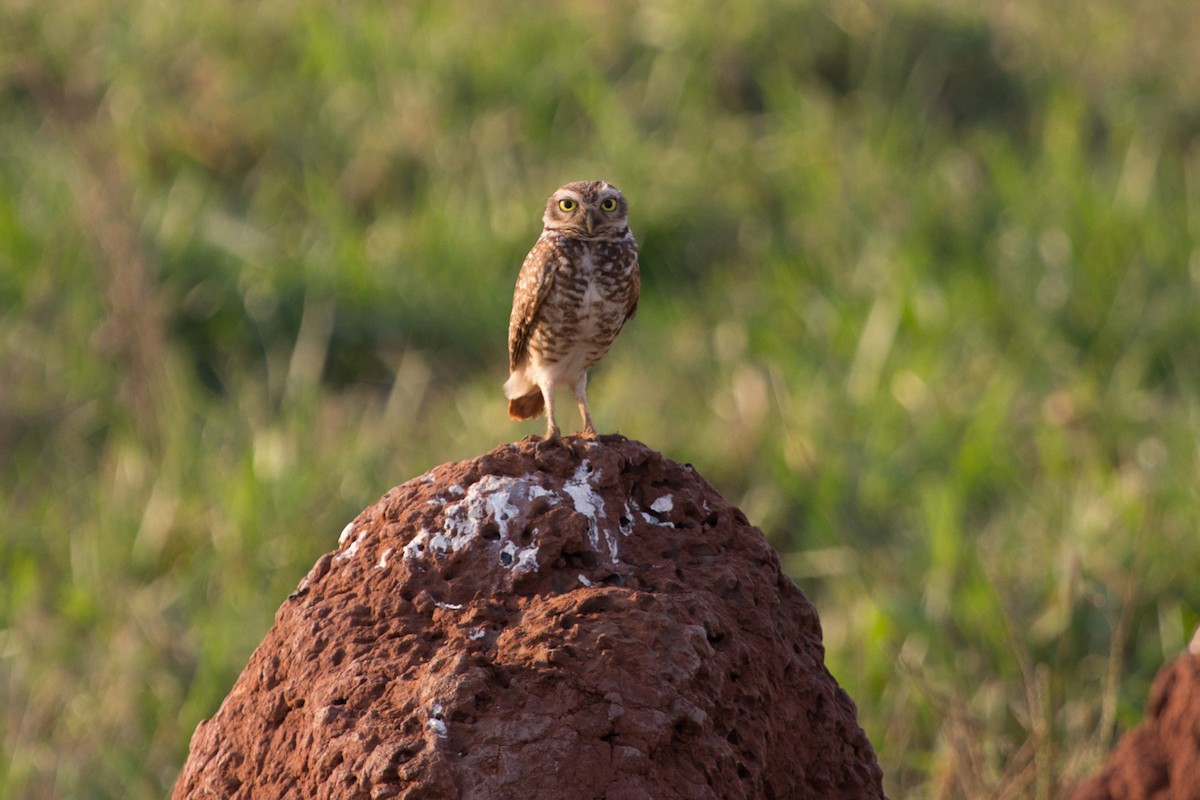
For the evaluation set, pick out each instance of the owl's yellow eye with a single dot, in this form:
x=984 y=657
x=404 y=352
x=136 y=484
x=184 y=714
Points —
x=567 y=204
x=608 y=204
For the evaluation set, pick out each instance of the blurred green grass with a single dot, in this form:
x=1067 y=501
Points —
x=919 y=295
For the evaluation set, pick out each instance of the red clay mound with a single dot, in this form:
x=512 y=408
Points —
x=1159 y=759
x=588 y=620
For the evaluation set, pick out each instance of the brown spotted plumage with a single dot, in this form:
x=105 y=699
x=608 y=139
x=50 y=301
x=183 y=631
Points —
x=577 y=288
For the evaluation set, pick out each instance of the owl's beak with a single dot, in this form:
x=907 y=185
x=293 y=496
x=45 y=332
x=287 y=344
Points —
x=591 y=222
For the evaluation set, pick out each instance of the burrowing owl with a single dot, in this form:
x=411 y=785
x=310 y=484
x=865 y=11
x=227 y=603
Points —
x=578 y=286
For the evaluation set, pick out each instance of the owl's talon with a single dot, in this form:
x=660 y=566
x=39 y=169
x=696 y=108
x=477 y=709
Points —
x=548 y=443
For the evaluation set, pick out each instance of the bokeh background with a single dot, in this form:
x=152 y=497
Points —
x=919 y=294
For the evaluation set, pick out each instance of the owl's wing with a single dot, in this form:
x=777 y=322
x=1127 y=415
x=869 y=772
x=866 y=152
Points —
x=635 y=290
x=533 y=285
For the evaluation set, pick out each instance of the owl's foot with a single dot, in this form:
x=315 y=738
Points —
x=548 y=444
x=589 y=430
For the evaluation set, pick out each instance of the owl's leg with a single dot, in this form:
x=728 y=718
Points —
x=579 y=388
x=552 y=432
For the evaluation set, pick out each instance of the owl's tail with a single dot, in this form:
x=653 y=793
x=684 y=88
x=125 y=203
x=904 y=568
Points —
x=527 y=406
x=525 y=399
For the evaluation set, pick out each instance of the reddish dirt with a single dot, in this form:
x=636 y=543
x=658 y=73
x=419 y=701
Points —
x=1160 y=758
x=588 y=620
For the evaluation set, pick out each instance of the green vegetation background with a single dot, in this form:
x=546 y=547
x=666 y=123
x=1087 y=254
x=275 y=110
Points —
x=919 y=295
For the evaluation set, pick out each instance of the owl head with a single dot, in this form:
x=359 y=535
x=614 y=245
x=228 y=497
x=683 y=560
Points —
x=587 y=210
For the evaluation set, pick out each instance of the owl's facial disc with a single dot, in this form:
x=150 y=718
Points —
x=587 y=209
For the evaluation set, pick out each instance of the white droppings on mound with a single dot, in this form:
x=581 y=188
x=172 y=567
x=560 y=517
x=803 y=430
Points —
x=501 y=500
x=634 y=511
x=663 y=504
x=501 y=508
x=352 y=550
x=587 y=502
x=437 y=722
x=424 y=540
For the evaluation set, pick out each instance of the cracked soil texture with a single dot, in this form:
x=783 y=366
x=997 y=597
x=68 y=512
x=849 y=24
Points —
x=582 y=620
